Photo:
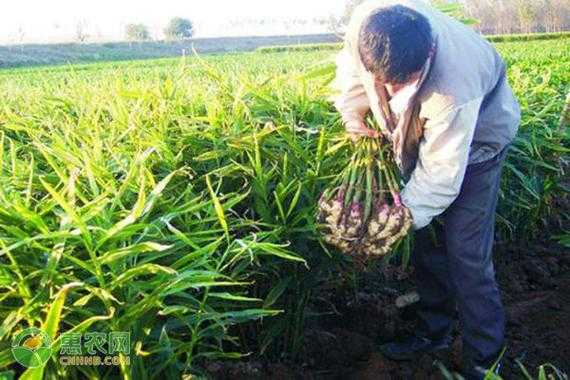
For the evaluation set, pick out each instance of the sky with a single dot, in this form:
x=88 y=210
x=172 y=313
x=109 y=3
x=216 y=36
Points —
x=58 y=20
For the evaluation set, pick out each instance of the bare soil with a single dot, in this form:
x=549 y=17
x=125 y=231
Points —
x=535 y=286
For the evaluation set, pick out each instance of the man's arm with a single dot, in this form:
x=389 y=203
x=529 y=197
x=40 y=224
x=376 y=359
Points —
x=442 y=161
x=351 y=101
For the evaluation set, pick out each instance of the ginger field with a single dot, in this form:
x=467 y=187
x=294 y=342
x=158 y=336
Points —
x=174 y=200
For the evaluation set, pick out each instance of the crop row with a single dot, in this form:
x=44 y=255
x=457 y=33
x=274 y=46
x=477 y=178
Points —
x=176 y=200
x=490 y=38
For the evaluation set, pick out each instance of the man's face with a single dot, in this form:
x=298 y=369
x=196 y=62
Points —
x=393 y=88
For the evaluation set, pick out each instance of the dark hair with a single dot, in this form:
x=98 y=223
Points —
x=394 y=42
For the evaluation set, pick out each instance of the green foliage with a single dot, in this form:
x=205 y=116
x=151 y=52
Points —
x=533 y=191
x=544 y=372
x=137 y=32
x=178 y=196
x=455 y=10
x=528 y=37
x=139 y=188
x=179 y=28
x=492 y=38
x=300 y=47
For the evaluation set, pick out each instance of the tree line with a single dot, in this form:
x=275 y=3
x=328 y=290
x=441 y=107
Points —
x=497 y=16
x=519 y=16
x=486 y=16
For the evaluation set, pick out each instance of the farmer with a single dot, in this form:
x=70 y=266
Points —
x=439 y=92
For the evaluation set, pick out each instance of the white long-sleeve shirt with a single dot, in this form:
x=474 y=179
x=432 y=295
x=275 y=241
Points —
x=442 y=162
x=464 y=112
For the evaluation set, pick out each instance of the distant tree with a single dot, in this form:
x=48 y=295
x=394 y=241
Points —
x=527 y=12
x=179 y=28
x=21 y=37
x=348 y=9
x=519 y=16
x=337 y=24
x=137 y=32
x=556 y=15
x=81 y=31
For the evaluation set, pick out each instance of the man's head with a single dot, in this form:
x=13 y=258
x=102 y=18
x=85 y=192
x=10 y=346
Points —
x=394 y=44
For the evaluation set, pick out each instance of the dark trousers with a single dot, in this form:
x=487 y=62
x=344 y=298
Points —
x=454 y=270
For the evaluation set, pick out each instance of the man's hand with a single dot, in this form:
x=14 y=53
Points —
x=356 y=129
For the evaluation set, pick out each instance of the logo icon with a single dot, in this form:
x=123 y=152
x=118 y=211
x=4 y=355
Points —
x=32 y=347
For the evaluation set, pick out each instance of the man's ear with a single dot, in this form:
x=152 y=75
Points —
x=431 y=51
